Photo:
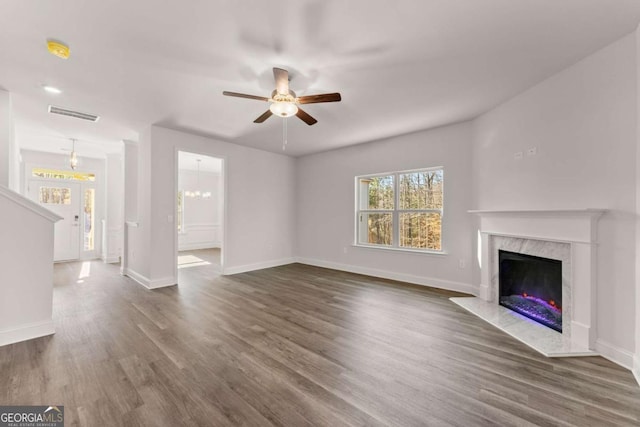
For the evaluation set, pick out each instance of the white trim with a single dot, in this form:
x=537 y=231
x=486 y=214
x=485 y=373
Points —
x=113 y=259
x=392 y=275
x=257 y=266
x=398 y=249
x=541 y=212
x=134 y=224
x=225 y=205
x=148 y=283
x=636 y=368
x=580 y=332
x=395 y=212
x=615 y=354
x=27 y=332
x=29 y=204
x=212 y=244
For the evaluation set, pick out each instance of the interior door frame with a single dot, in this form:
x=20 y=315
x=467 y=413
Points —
x=223 y=174
x=27 y=178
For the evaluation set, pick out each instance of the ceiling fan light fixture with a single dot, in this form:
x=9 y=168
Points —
x=283 y=108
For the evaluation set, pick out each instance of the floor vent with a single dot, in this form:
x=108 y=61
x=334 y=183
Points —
x=71 y=113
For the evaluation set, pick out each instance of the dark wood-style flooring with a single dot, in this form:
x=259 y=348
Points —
x=294 y=346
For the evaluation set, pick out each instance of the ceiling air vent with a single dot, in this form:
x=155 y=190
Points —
x=70 y=113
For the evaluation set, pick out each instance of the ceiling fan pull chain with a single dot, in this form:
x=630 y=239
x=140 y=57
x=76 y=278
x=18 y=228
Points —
x=284 y=134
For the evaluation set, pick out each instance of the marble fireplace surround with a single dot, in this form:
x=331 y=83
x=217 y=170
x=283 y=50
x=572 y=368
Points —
x=566 y=235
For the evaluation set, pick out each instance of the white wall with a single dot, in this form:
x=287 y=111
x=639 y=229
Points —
x=114 y=212
x=325 y=201
x=259 y=213
x=26 y=263
x=636 y=369
x=138 y=207
x=202 y=217
x=583 y=123
x=6 y=139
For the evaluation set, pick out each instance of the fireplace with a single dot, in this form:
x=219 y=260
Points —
x=532 y=286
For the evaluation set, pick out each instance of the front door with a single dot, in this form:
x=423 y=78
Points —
x=63 y=198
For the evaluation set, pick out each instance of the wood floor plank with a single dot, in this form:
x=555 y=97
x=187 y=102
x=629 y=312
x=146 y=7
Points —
x=294 y=346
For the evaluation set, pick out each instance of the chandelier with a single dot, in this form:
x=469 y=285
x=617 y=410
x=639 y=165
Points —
x=197 y=194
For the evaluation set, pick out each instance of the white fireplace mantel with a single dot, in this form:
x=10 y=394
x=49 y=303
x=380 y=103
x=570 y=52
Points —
x=575 y=229
x=562 y=225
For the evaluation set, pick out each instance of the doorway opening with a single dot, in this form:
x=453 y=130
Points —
x=200 y=201
x=72 y=195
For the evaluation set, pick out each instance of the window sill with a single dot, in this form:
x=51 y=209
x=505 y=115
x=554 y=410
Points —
x=412 y=251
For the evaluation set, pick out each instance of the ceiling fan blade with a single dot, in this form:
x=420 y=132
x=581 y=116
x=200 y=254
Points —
x=263 y=117
x=244 y=95
x=302 y=115
x=282 y=80
x=325 y=97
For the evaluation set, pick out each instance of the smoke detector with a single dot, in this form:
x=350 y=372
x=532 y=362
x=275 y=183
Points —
x=58 y=49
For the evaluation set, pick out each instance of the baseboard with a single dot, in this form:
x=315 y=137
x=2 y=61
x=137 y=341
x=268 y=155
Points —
x=199 y=245
x=27 y=332
x=581 y=333
x=615 y=354
x=636 y=368
x=148 y=283
x=113 y=259
x=257 y=266
x=392 y=275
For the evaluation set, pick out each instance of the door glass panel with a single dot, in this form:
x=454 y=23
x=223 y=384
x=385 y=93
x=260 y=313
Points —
x=55 y=195
x=89 y=219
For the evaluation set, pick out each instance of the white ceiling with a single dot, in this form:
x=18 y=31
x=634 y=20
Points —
x=401 y=66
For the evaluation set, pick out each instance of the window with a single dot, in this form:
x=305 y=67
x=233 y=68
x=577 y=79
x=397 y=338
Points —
x=55 y=195
x=401 y=210
x=89 y=218
x=57 y=174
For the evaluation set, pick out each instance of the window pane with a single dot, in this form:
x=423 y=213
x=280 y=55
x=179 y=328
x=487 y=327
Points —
x=376 y=193
x=180 y=209
x=421 y=230
x=55 y=195
x=89 y=219
x=421 y=190
x=58 y=174
x=376 y=228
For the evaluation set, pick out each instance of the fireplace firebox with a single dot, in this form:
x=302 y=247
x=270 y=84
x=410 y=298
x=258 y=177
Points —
x=531 y=286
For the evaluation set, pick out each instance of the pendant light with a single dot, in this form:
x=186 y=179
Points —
x=73 y=160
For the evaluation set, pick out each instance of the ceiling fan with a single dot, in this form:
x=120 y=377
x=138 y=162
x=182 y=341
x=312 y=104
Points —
x=284 y=102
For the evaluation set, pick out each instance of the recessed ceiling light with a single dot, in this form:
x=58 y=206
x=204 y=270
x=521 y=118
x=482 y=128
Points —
x=51 y=89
